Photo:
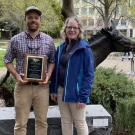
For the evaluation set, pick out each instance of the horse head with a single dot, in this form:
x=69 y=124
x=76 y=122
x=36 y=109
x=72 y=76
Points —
x=109 y=40
x=120 y=43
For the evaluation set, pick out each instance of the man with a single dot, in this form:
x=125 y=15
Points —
x=26 y=93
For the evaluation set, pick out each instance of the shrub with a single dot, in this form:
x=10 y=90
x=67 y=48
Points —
x=6 y=91
x=125 y=116
x=110 y=87
x=9 y=84
x=116 y=93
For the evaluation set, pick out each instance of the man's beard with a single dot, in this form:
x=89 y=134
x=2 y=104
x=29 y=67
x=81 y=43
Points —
x=33 y=29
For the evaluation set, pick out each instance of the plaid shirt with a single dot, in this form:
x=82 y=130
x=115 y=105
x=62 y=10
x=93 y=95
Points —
x=23 y=43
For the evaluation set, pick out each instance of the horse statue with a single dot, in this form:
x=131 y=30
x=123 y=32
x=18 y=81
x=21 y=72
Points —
x=102 y=44
x=109 y=40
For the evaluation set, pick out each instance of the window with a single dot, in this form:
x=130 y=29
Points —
x=91 y=10
x=92 y=1
x=76 y=10
x=131 y=32
x=83 y=11
x=114 y=22
x=123 y=22
x=124 y=32
x=99 y=22
x=84 y=22
x=90 y=22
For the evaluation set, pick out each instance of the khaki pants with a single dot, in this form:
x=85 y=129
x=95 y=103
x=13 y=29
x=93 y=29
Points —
x=25 y=96
x=71 y=114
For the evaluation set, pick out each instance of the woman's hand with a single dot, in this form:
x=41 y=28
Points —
x=54 y=97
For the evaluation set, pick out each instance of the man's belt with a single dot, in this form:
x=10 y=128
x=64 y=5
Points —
x=33 y=83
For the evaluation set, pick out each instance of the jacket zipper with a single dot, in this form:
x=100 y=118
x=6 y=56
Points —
x=67 y=73
x=66 y=81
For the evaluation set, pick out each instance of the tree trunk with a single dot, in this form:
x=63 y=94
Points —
x=67 y=8
x=106 y=15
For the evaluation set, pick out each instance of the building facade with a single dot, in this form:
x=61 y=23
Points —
x=92 y=22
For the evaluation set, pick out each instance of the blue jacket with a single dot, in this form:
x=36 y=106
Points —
x=79 y=74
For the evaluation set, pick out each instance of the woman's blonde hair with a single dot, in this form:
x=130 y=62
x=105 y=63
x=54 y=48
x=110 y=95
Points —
x=63 y=31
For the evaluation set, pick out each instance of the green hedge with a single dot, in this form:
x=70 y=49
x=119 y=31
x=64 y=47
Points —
x=9 y=84
x=116 y=93
x=125 y=116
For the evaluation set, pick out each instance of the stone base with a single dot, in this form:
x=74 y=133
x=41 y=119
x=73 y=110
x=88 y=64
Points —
x=98 y=119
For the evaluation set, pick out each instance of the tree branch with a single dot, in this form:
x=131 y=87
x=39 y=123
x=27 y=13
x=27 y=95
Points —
x=103 y=3
x=89 y=3
x=111 y=12
x=99 y=9
x=111 y=2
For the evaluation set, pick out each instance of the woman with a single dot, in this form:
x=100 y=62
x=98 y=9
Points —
x=73 y=78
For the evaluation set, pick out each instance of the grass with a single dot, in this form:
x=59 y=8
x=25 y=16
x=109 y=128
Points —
x=3 y=45
x=2 y=53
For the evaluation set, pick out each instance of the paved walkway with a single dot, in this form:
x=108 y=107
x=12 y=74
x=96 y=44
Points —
x=2 y=71
x=120 y=66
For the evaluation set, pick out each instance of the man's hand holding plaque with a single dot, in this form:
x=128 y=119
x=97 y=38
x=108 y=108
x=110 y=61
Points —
x=46 y=80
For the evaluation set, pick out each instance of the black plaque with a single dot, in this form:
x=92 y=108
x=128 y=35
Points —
x=35 y=68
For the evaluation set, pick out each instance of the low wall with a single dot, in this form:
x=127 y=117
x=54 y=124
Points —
x=98 y=119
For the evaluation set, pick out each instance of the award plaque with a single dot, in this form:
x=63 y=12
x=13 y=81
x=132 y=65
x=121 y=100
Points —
x=35 y=68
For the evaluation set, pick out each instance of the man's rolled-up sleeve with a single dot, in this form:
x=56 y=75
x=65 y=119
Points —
x=10 y=54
